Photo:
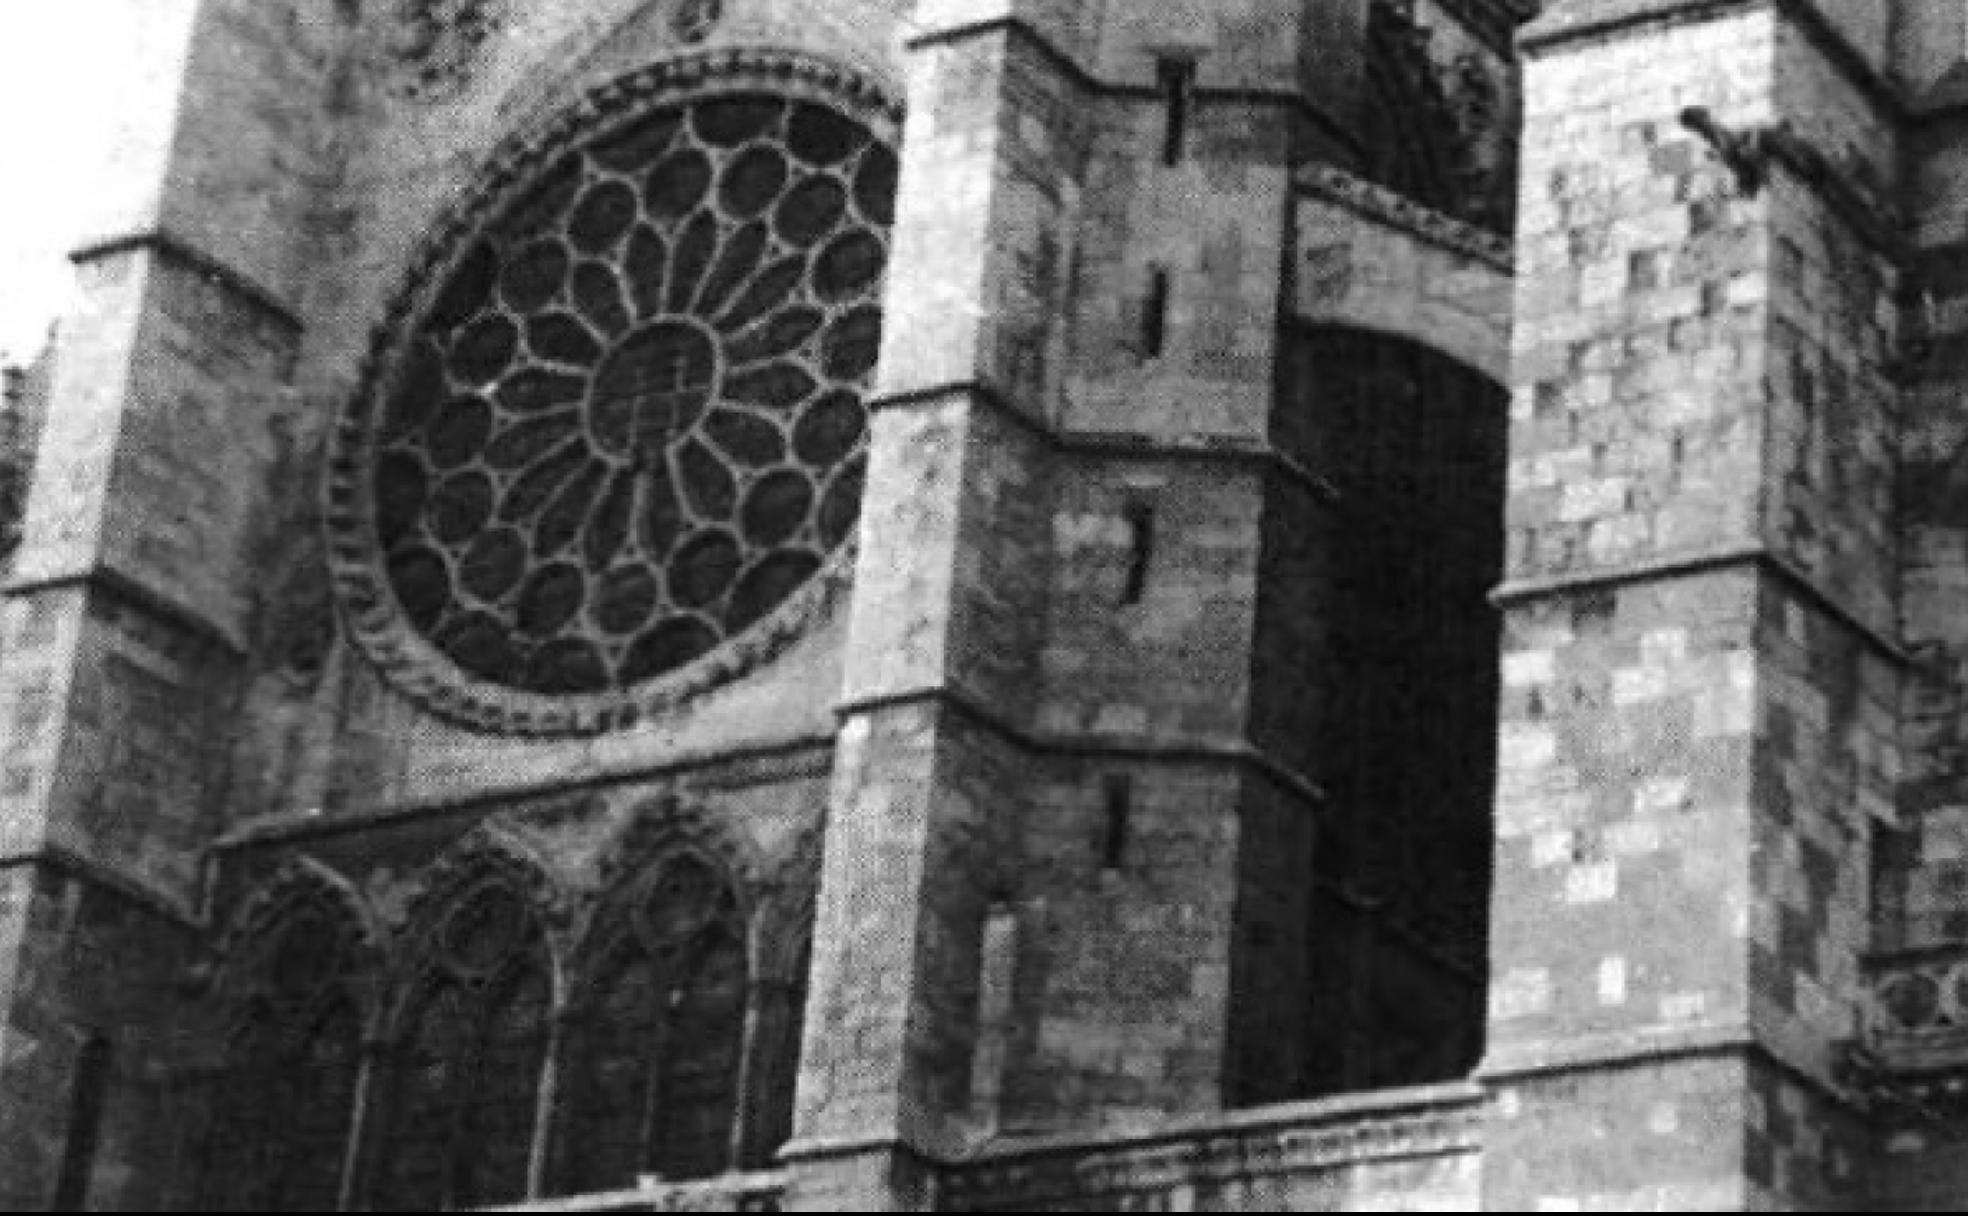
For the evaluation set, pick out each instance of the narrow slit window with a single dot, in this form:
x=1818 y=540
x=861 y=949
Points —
x=88 y=1094
x=1120 y=809
x=1141 y=540
x=1176 y=77
x=1154 y=313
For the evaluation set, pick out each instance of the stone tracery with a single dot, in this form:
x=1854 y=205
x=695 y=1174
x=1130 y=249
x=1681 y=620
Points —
x=651 y=996
x=473 y=1041
x=433 y=45
x=654 y=1086
x=625 y=428
x=295 y=992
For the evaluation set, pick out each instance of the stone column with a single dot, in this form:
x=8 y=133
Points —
x=1701 y=669
x=947 y=608
x=123 y=616
x=1052 y=612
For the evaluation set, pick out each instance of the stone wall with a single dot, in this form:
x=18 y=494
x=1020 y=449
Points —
x=95 y=972
x=1922 y=880
x=1401 y=1151
x=1701 y=668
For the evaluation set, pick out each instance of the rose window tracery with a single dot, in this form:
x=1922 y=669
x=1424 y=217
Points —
x=626 y=429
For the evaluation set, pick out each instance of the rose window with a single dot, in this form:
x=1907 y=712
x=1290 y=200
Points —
x=626 y=427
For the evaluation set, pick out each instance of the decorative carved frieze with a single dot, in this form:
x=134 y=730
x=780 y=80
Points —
x=1911 y=1062
x=432 y=47
x=1377 y=202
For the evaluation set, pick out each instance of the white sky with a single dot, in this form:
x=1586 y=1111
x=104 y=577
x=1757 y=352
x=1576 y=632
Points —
x=54 y=128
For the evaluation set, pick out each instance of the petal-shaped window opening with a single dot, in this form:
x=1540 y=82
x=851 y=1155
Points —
x=652 y=359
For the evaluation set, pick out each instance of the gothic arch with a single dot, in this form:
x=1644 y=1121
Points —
x=664 y=1028
x=777 y=899
x=1412 y=320
x=670 y=824
x=296 y=881
x=484 y=855
x=470 y=1031
x=297 y=996
x=1414 y=442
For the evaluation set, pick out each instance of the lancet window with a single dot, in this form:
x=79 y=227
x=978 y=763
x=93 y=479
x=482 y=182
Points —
x=294 y=1032
x=463 y=1098
x=656 y=1075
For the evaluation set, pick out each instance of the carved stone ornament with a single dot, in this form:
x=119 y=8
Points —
x=609 y=448
x=432 y=46
x=303 y=927
x=693 y=21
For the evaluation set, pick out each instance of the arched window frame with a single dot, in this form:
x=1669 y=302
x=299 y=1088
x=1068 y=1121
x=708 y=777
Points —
x=486 y=865
x=771 y=913
x=1404 y=854
x=259 y=999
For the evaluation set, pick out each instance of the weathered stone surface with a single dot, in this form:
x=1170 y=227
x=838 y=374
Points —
x=1061 y=878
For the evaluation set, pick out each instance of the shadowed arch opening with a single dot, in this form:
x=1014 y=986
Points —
x=655 y=1079
x=461 y=1111
x=1414 y=445
x=295 y=974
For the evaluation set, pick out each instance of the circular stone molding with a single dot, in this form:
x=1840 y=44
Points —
x=609 y=445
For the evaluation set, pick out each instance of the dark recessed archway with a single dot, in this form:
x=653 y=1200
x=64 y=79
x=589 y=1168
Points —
x=1414 y=444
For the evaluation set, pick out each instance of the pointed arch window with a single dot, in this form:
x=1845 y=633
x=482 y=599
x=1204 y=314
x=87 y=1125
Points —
x=1415 y=446
x=655 y=1081
x=285 y=1102
x=462 y=1109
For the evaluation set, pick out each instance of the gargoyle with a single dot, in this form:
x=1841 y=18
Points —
x=1747 y=153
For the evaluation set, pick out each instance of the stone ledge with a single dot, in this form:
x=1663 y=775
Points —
x=1241 y=753
x=115 y=584
x=1519 y=591
x=72 y=865
x=754 y=1192
x=1375 y=202
x=1651 y=1047
x=163 y=243
x=286 y=828
x=1295 y=1138
x=1569 y=21
x=1118 y=445
x=1637 y=1048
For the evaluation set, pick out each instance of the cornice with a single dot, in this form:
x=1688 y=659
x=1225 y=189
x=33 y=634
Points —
x=1373 y=201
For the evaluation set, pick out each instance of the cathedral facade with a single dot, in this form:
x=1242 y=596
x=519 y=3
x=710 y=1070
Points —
x=999 y=605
